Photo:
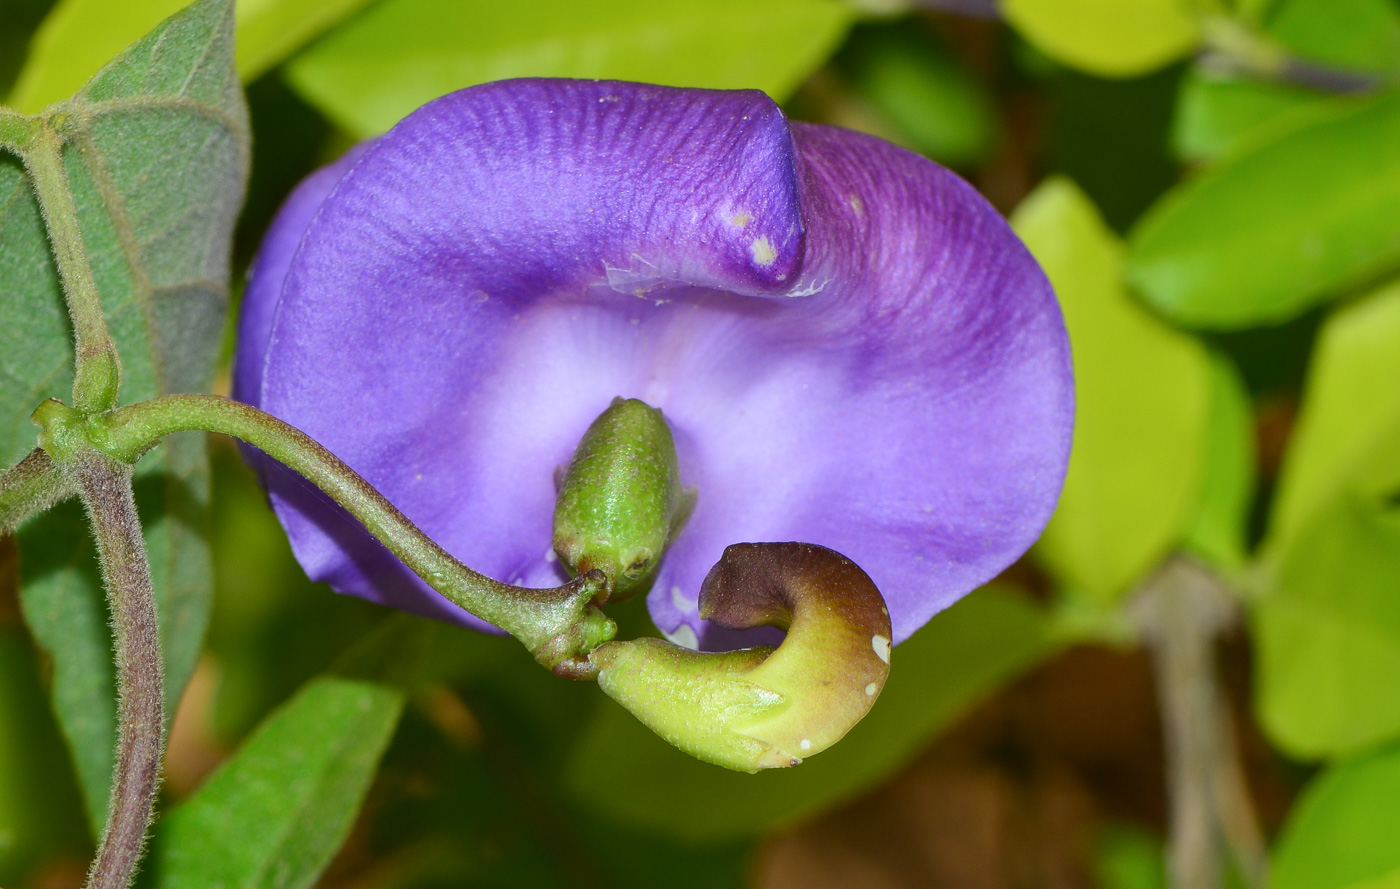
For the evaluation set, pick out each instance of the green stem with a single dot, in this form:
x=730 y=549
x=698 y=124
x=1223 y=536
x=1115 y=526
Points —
x=97 y=377
x=1232 y=46
x=105 y=487
x=559 y=625
x=31 y=486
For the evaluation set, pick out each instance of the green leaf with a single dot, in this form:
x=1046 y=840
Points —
x=1279 y=227
x=1216 y=533
x=1341 y=833
x=1359 y=35
x=1351 y=405
x=38 y=801
x=1216 y=114
x=1143 y=399
x=1389 y=881
x=270 y=31
x=79 y=36
x=401 y=53
x=61 y=596
x=622 y=770
x=275 y=814
x=1129 y=857
x=1109 y=38
x=935 y=106
x=75 y=40
x=1328 y=634
x=156 y=154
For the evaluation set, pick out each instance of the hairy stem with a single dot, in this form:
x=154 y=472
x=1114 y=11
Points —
x=31 y=486
x=97 y=378
x=105 y=487
x=1182 y=611
x=558 y=625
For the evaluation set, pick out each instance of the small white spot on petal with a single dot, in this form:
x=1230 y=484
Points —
x=740 y=219
x=549 y=556
x=684 y=636
x=806 y=744
x=881 y=646
x=871 y=689
x=763 y=251
x=856 y=204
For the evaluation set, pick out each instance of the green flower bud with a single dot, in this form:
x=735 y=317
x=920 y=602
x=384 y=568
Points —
x=763 y=708
x=620 y=500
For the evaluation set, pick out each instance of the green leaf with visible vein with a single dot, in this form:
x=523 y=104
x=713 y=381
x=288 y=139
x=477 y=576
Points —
x=79 y=36
x=1279 y=226
x=624 y=771
x=156 y=153
x=399 y=54
x=274 y=815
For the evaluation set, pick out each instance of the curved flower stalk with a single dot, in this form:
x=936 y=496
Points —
x=849 y=346
x=763 y=708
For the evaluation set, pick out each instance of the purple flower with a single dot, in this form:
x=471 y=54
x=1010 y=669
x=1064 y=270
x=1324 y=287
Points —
x=849 y=343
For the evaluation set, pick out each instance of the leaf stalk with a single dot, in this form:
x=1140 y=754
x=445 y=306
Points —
x=31 y=486
x=97 y=377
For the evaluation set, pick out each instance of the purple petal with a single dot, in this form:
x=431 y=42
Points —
x=491 y=273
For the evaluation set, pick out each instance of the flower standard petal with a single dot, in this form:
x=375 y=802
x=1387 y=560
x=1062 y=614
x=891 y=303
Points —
x=851 y=347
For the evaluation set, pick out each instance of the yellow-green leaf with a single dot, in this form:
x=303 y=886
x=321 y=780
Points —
x=1110 y=38
x=79 y=36
x=1340 y=833
x=1143 y=397
x=401 y=53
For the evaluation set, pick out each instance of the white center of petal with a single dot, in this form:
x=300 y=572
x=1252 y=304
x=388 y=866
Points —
x=882 y=647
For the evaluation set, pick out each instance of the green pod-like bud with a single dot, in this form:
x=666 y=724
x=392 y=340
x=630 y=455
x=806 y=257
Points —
x=763 y=708
x=620 y=498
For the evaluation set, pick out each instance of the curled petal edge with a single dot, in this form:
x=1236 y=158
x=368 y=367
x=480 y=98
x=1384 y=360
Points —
x=762 y=708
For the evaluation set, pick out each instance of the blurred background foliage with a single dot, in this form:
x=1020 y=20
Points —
x=1214 y=189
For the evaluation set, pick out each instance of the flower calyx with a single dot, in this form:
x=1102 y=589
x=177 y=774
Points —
x=620 y=500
